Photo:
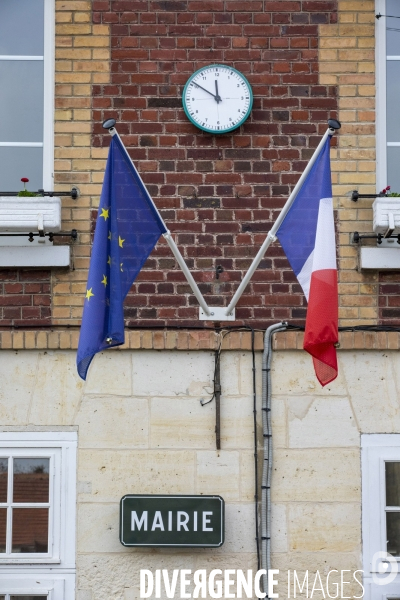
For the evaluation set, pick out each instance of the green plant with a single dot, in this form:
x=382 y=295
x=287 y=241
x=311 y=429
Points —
x=25 y=193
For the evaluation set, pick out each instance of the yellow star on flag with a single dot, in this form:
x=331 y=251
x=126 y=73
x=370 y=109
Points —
x=89 y=294
x=109 y=260
x=109 y=235
x=121 y=267
x=120 y=241
x=104 y=280
x=104 y=213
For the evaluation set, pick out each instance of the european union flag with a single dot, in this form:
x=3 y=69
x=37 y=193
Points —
x=127 y=229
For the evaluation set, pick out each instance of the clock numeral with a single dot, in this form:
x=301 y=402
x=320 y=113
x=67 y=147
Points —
x=192 y=99
x=230 y=119
x=207 y=119
x=197 y=111
x=217 y=122
x=242 y=98
x=237 y=85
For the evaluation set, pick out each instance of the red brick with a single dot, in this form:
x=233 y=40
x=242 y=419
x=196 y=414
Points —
x=218 y=193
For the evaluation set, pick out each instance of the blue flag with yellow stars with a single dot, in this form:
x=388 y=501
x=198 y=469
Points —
x=127 y=229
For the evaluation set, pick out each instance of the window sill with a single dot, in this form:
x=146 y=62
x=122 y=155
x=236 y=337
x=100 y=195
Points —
x=36 y=256
x=380 y=259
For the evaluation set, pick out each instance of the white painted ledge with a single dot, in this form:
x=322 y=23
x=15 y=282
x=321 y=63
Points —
x=380 y=258
x=35 y=256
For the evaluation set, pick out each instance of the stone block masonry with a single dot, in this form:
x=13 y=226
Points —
x=150 y=435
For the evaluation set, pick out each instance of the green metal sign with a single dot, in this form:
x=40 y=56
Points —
x=173 y=521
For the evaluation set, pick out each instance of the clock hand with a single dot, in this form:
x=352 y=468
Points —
x=217 y=97
x=211 y=94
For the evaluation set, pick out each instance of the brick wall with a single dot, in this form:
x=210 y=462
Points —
x=389 y=298
x=347 y=60
x=82 y=60
x=217 y=194
x=25 y=298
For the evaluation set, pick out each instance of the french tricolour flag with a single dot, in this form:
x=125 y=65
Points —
x=307 y=235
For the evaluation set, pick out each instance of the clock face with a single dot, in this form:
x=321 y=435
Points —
x=217 y=98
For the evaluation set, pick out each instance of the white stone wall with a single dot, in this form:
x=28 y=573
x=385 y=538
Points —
x=142 y=430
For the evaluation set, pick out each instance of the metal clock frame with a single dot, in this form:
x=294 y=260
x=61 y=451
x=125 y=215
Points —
x=204 y=128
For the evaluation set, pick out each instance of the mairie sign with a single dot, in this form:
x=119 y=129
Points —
x=191 y=521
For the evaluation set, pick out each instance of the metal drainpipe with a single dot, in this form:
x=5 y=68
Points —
x=267 y=462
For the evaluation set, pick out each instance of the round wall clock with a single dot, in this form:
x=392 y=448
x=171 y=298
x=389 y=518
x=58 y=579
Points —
x=217 y=98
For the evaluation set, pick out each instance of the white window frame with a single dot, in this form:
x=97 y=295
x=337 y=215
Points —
x=54 y=456
x=376 y=449
x=48 y=96
x=52 y=574
x=52 y=588
x=381 y=127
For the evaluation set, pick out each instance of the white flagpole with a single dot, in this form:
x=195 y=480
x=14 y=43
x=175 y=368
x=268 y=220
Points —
x=271 y=237
x=109 y=124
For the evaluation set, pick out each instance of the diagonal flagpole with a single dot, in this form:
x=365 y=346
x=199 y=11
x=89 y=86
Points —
x=333 y=125
x=109 y=124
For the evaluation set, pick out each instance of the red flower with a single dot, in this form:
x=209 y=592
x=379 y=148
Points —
x=24 y=179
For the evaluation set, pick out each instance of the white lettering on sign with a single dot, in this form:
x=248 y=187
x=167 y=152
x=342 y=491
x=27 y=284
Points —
x=195 y=520
x=135 y=521
x=157 y=521
x=206 y=521
x=184 y=521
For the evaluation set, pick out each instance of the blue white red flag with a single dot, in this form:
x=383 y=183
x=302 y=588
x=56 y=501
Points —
x=127 y=229
x=307 y=235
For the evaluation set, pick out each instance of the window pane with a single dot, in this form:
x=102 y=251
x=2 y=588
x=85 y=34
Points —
x=21 y=162
x=3 y=479
x=27 y=597
x=392 y=37
x=21 y=27
x=30 y=527
x=392 y=100
x=393 y=533
x=392 y=471
x=393 y=167
x=21 y=100
x=31 y=479
x=3 y=529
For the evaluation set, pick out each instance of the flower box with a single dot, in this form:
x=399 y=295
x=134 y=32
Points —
x=19 y=214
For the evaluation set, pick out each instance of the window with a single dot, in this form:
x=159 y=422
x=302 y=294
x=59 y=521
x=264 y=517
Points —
x=26 y=93
x=381 y=515
x=26 y=506
x=37 y=515
x=388 y=94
